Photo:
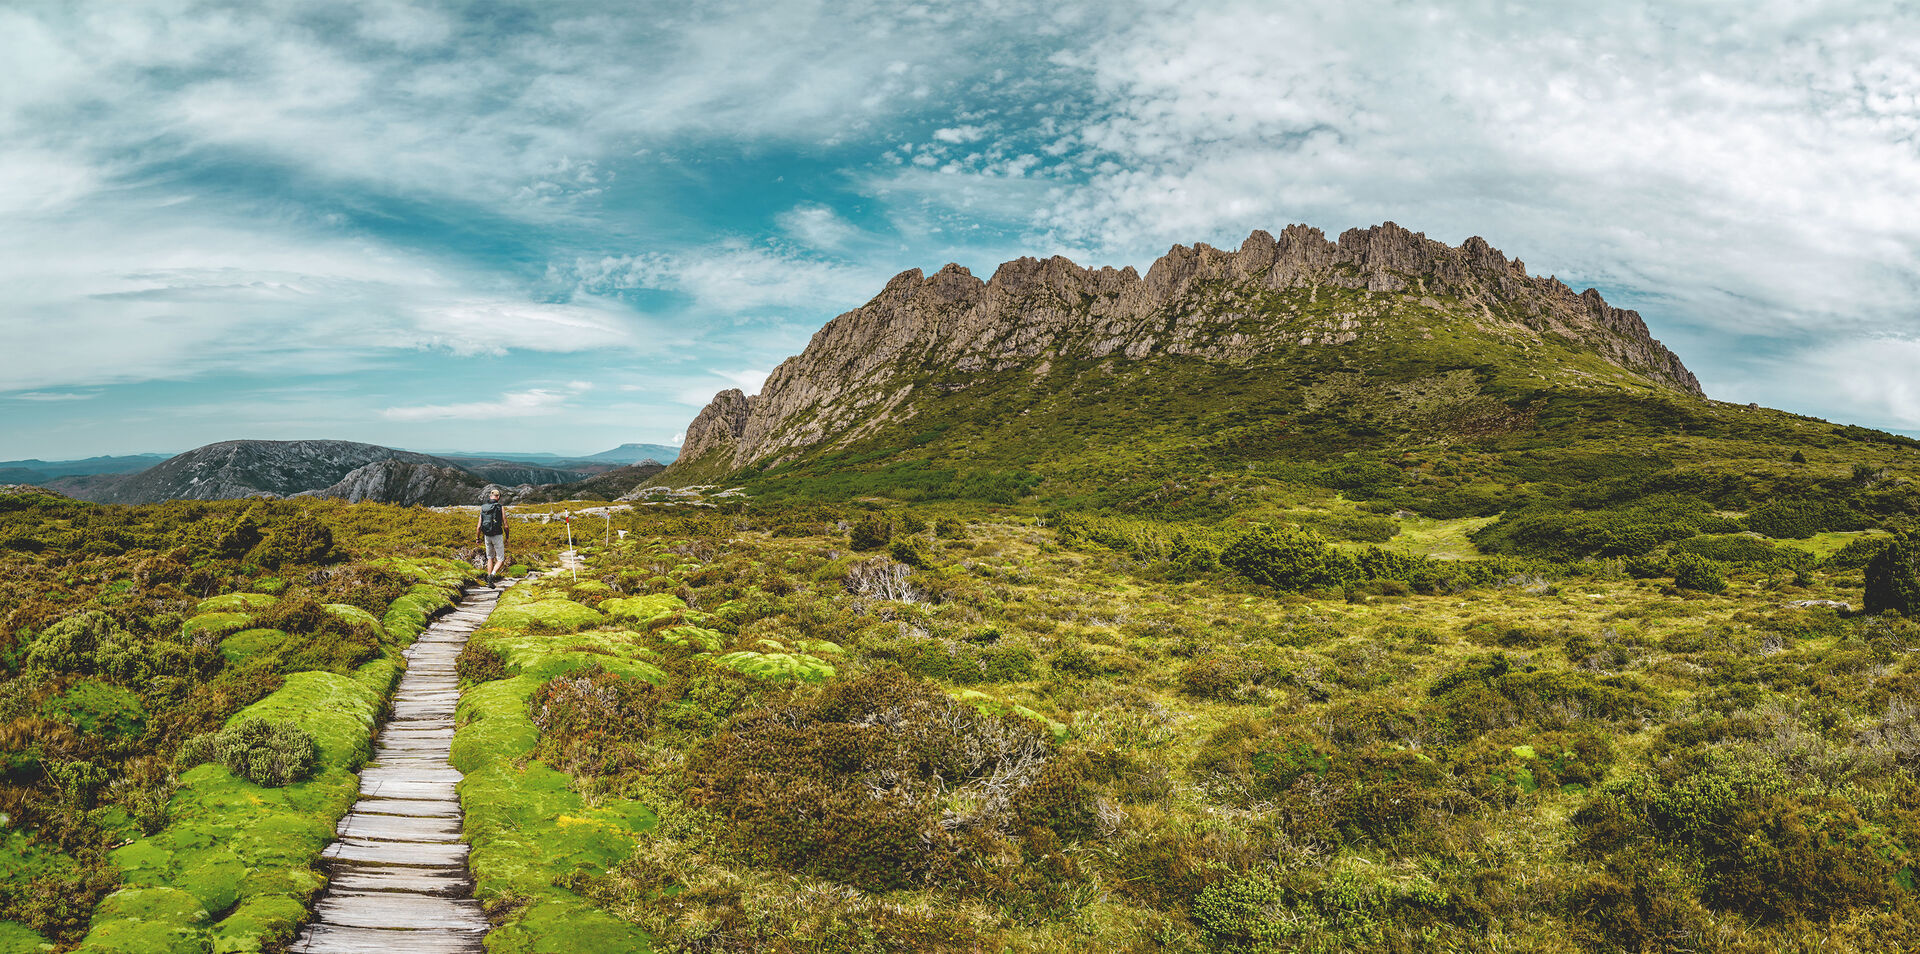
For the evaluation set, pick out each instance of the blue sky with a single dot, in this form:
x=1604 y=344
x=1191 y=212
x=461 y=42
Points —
x=562 y=226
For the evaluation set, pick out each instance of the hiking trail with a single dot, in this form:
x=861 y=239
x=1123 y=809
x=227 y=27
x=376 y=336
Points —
x=398 y=876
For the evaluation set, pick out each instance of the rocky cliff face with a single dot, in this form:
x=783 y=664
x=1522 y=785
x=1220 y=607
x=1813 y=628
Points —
x=250 y=468
x=406 y=482
x=345 y=469
x=1195 y=301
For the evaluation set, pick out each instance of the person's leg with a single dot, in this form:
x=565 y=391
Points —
x=496 y=556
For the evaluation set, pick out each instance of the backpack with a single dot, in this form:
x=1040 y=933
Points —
x=492 y=519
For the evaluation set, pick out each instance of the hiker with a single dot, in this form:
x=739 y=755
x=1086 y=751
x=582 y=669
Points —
x=493 y=533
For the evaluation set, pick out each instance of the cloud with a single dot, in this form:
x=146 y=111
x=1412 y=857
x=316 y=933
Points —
x=48 y=397
x=817 y=226
x=1755 y=175
x=959 y=134
x=1867 y=380
x=732 y=278
x=535 y=402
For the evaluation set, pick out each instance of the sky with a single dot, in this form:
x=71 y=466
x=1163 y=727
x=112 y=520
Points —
x=562 y=226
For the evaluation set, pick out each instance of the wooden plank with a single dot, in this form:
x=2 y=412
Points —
x=412 y=807
x=400 y=827
x=405 y=853
x=435 y=882
x=386 y=909
x=328 y=939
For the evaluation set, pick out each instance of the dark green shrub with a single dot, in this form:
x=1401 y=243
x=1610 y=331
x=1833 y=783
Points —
x=269 y=754
x=1800 y=518
x=1893 y=579
x=1729 y=549
x=1223 y=676
x=873 y=533
x=297 y=541
x=1286 y=559
x=1692 y=572
x=94 y=643
x=479 y=662
x=591 y=720
x=1858 y=553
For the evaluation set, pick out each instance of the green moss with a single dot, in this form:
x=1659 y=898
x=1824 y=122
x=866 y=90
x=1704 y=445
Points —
x=779 y=666
x=358 y=616
x=693 y=637
x=236 y=603
x=19 y=939
x=529 y=829
x=552 y=614
x=409 y=615
x=643 y=608
x=215 y=625
x=248 y=643
x=151 y=920
x=98 y=708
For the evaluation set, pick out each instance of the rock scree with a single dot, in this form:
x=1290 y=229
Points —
x=398 y=876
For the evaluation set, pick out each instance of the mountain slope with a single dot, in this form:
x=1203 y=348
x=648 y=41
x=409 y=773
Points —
x=245 y=468
x=635 y=453
x=1381 y=301
x=1385 y=367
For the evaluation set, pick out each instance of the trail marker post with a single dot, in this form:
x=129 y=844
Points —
x=573 y=564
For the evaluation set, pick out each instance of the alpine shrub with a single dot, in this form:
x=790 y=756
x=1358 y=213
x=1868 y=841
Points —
x=1286 y=559
x=1893 y=579
x=1693 y=572
x=269 y=754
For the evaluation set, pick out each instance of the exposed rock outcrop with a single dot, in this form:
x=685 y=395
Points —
x=405 y=482
x=1195 y=301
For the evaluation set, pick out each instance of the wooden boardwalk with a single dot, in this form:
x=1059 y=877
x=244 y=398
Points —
x=398 y=872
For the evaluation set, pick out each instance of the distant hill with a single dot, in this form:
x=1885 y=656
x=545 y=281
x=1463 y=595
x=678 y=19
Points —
x=635 y=453
x=611 y=485
x=344 y=469
x=34 y=469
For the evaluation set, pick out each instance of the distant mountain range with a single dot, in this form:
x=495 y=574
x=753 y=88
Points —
x=34 y=470
x=347 y=470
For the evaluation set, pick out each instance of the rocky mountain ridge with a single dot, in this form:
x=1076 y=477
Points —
x=348 y=470
x=1196 y=301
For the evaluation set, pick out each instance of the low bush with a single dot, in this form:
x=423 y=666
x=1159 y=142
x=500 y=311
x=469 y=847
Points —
x=269 y=754
x=1691 y=572
x=1893 y=579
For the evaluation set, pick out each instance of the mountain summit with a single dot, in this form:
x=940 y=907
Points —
x=1380 y=301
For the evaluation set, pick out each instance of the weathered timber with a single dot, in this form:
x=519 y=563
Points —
x=397 y=875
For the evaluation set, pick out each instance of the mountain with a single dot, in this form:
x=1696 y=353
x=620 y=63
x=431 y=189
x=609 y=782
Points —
x=608 y=486
x=247 y=468
x=635 y=453
x=398 y=481
x=1383 y=366
x=34 y=469
x=1381 y=302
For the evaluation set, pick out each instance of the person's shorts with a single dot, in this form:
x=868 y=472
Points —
x=496 y=547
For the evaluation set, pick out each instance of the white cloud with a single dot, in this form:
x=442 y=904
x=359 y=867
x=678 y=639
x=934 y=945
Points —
x=49 y=397
x=733 y=278
x=817 y=226
x=1756 y=171
x=1867 y=380
x=535 y=402
x=960 y=134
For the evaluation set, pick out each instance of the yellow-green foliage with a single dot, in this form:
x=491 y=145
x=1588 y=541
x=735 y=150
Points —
x=236 y=603
x=233 y=868
x=250 y=642
x=20 y=939
x=356 y=615
x=528 y=828
x=240 y=850
x=215 y=625
x=643 y=608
